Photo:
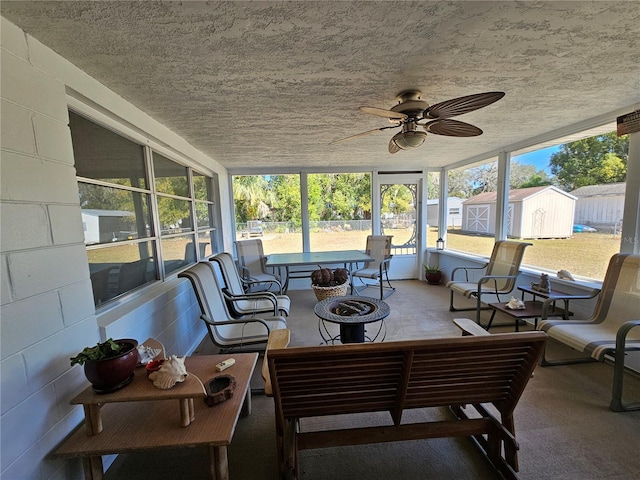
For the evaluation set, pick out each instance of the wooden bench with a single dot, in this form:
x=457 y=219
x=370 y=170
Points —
x=458 y=372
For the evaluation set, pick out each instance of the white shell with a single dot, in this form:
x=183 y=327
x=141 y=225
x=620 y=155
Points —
x=171 y=372
x=146 y=354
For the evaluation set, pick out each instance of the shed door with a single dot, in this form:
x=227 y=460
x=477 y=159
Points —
x=478 y=219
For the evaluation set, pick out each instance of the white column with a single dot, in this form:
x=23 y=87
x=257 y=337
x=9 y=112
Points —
x=502 y=195
x=630 y=241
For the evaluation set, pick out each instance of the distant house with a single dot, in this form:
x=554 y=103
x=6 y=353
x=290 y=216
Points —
x=536 y=212
x=454 y=212
x=600 y=206
x=101 y=226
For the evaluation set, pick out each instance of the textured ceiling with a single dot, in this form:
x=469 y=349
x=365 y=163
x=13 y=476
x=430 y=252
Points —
x=271 y=84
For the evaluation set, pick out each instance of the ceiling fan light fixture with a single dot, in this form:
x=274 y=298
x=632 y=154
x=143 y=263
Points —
x=409 y=139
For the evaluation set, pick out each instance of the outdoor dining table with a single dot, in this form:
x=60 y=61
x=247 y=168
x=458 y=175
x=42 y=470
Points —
x=302 y=259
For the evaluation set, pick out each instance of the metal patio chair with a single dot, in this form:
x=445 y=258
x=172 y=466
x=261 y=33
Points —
x=378 y=248
x=225 y=331
x=241 y=303
x=610 y=331
x=499 y=277
x=251 y=262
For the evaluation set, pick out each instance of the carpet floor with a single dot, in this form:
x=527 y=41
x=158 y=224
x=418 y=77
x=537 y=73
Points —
x=563 y=423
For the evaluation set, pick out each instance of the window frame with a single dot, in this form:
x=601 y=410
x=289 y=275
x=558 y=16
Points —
x=155 y=239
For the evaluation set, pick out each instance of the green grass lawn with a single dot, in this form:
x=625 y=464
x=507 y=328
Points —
x=584 y=254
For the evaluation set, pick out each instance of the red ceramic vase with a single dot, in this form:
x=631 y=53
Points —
x=113 y=373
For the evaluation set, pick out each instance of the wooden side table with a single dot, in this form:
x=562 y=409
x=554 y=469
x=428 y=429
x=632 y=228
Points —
x=134 y=424
x=533 y=309
x=139 y=390
x=554 y=295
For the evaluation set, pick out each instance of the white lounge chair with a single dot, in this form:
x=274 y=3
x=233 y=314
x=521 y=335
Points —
x=225 y=331
x=499 y=277
x=241 y=303
x=608 y=332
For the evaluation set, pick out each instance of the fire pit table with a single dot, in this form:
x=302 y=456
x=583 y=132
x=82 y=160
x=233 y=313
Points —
x=351 y=312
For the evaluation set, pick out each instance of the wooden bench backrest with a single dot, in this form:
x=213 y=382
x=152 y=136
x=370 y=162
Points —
x=394 y=376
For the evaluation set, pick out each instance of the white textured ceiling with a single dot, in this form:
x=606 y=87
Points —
x=271 y=84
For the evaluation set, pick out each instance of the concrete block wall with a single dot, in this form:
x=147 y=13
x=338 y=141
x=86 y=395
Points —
x=47 y=313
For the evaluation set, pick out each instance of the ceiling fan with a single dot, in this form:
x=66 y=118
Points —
x=413 y=112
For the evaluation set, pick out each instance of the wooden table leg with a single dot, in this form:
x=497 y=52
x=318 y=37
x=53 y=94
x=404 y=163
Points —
x=92 y=418
x=192 y=410
x=92 y=467
x=219 y=463
x=185 y=412
x=246 y=406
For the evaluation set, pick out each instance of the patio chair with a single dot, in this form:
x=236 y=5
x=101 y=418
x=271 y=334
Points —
x=378 y=248
x=499 y=277
x=251 y=262
x=226 y=332
x=241 y=303
x=608 y=332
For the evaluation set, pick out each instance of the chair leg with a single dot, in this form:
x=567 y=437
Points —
x=618 y=371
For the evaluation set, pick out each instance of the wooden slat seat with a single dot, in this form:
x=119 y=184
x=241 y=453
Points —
x=397 y=376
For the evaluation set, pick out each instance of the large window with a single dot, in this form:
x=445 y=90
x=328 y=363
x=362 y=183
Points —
x=144 y=216
x=474 y=191
x=567 y=200
x=339 y=211
x=587 y=175
x=270 y=207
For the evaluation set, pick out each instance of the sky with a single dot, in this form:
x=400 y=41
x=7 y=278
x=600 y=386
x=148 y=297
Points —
x=539 y=158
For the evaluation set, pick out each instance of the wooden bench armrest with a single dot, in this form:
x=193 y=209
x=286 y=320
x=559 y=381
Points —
x=277 y=339
x=469 y=327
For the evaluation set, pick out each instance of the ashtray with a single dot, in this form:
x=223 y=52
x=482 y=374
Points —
x=219 y=389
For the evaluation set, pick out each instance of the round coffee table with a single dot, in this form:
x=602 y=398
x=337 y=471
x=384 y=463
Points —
x=351 y=312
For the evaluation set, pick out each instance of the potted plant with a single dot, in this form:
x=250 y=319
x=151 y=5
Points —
x=329 y=283
x=433 y=274
x=109 y=365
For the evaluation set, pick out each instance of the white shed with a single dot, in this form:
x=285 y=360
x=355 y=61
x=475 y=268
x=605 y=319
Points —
x=454 y=212
x=536 y=212
x=600 y=206
x=101 y=226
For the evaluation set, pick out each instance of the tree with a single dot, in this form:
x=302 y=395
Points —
x=591 y=161
x=253 y=197
x=466 y=183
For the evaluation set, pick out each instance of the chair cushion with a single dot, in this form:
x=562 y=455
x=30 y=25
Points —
x=469 y=289
x=367 y=273
x=283 y=305
x=253 y=331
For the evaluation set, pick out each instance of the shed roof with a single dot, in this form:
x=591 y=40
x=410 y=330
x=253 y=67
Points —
x=597 y=190
x=516 y=195
x=106 y=213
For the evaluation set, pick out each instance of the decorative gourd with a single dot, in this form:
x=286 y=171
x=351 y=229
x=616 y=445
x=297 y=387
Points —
x=340 y=275
x=322 y=277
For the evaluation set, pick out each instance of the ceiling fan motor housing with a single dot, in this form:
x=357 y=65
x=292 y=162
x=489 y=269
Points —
x=411 y=104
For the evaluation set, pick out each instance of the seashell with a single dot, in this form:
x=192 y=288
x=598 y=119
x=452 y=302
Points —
x=171 y=372
x=146 y=354
x=565 y=274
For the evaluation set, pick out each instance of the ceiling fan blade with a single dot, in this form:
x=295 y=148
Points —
x=460 y=105
x=381 y=112
x=393 y=148
x=362 y=134
x=452 y=128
